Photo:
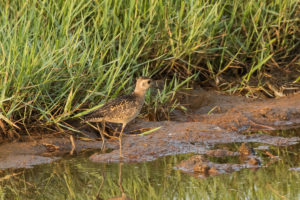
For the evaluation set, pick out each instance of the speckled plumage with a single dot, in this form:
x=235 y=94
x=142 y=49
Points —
x=122 y=109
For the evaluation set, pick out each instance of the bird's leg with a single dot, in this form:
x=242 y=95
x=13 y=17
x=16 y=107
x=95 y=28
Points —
x=120 y=139
x=103 y=126
x=102 y=134
x=120 y=178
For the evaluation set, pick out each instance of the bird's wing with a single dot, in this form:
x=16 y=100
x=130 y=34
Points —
x=106 y=108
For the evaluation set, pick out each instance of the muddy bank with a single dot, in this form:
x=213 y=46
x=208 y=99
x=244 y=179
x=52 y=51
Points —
x=182 y=137
x=41 y=150
x=197 y=132
x=239 y=113
x=200 y=167
x=194 y=131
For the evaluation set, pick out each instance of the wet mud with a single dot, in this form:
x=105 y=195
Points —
x=182 y=137
x=200 y=167
x=195 y=131
x=210 y=119
x=37 y=151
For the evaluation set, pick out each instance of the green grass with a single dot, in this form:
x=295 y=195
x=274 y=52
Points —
x=59 y=57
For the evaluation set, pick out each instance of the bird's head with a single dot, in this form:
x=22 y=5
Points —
x=142 y=84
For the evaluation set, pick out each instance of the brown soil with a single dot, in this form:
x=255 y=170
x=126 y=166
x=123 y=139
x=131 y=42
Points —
x=195 y=131
x=36 y=151
x=200 y=167
x=192 y=131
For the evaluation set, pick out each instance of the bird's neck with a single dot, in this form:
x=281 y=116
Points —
x=140 y=93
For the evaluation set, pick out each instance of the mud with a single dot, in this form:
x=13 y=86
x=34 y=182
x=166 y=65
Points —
x=200 y=167
x=195 y=131
x=182 y=137
x=211 y=119
x=36 y=151
x=239 y=113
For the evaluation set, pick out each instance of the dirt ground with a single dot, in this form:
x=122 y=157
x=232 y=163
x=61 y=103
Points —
x=211 y=118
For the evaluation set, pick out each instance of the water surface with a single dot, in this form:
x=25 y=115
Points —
x=76 y=177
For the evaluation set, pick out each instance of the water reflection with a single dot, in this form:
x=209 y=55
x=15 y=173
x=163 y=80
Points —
x=123 y=194
x=75 y=177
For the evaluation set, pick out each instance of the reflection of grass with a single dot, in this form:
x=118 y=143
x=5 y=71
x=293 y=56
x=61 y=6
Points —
x=57 y=57
x=80 y=179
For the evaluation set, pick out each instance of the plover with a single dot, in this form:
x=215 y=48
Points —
x=123 y=109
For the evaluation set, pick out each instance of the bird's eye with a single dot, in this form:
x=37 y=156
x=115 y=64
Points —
x=149 y=82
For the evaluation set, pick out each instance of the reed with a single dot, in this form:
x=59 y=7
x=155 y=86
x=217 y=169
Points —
x=58 y=58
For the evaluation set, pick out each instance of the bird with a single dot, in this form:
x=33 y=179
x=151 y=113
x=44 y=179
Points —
x=122 y=109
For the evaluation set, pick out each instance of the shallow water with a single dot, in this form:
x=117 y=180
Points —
x=76 y=177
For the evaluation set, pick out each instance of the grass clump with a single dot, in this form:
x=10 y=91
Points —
x=57 y=57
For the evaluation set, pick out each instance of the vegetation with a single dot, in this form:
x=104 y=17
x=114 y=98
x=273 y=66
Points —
x=59 y=57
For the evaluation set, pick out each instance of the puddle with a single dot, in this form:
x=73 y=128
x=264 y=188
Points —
x=76 y=177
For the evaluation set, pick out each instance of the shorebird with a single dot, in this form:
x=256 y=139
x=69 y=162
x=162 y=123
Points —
x=123 y=109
